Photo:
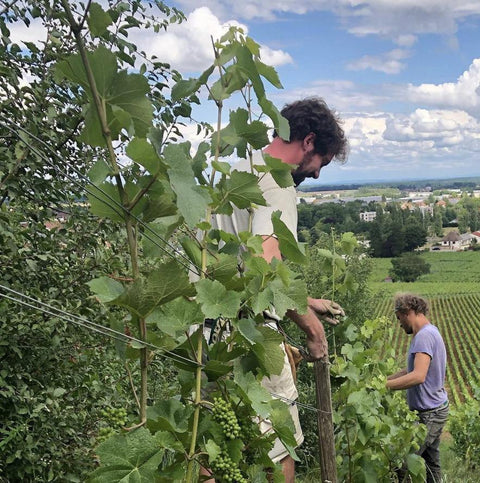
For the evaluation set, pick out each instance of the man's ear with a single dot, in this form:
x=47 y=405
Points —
x=309 y=142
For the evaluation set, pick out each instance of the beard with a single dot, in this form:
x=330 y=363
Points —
x=298 y=177
x=303 y=171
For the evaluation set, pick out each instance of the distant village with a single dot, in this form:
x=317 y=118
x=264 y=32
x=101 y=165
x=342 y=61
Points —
x=424 y=201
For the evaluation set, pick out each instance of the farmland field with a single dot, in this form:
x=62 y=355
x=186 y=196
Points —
x=453 y=289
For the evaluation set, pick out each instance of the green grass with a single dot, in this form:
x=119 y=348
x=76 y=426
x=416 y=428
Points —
x=450 y=272
x=453 y=468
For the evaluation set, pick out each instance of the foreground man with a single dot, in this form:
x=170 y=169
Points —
x=424 y=378
x=315 y=139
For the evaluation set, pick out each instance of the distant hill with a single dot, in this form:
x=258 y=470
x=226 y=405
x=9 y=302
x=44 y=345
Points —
x=410 y=185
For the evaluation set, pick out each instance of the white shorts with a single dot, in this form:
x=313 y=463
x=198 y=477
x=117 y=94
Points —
x=283 y=385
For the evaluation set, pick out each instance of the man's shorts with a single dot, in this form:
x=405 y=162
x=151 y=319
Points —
x=283 y=385
x=280 y=386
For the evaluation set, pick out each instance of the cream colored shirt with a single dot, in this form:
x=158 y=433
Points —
x=283 y=199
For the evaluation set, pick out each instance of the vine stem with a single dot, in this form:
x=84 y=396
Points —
x=198 y=375
x=332 y=231
x=129 y=225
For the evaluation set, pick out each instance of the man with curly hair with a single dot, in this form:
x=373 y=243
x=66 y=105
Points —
x=316 y=138
x=424 y=378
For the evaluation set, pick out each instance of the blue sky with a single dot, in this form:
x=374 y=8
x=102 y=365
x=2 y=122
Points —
x=404 y=75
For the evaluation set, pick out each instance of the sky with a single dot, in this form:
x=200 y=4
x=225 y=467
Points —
x=403 y=75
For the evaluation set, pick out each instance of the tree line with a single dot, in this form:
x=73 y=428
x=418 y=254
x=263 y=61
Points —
x=394 y=230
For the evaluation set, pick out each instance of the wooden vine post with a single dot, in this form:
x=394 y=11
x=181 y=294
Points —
x=326 y=439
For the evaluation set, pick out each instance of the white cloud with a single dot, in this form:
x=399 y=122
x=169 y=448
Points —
x=406 y=40
x=35 y=32
x=389 y=62
x=463 y=94
x=274 y=57
x=399 y=20
x=188 y=46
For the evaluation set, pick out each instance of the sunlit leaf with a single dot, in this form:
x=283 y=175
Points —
x=216 y=301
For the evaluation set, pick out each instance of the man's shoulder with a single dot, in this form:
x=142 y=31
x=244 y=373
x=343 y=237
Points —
x=428 y=335
x=243 y=164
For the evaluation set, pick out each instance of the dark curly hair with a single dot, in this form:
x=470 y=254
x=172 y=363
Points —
x=405 y=302
x=312 y=115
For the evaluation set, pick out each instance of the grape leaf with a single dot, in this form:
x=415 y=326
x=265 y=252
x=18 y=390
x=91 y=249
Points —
x=133 y=457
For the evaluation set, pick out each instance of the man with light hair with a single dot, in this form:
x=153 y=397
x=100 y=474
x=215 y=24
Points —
x=424 y=378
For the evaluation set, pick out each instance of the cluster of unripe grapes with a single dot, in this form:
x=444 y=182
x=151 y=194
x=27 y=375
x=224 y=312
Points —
x=116 y=418
x=225 y=470
x=224 y=415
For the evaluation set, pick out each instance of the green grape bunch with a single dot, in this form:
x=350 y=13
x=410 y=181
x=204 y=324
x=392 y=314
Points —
x=226 y=471
x=114 y=420
x=116 y=417
x=225 y=416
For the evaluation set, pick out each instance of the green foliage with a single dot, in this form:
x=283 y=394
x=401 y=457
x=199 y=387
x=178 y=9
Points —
x=464 y=426
x=376 y=433
x=59 y=376
x=338 y=269
x=408 y=267
x=167 y=188
x=450 y=273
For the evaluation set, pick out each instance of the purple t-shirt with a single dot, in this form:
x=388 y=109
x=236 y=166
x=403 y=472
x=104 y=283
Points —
x=431 y=393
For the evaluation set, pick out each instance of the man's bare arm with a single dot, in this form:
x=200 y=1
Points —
x=415 y=377
x=309 y=322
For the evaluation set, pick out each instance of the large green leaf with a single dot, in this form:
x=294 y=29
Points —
x=176 y=316
x=254 y=133
x=293 y=296
x=248 y=328
x=99 y=171
x=242 y=190
x=280 y=171
x=154 y=244
x=166 y=283
x=269 y=351
x=416 y=465
x=215 y=369
x=269 y=73
x=184 y=88
x=216 y=301
x=130 y=458
x=143 y=153
x=288 y=245
x=98 y=20
x=279 y=122
x=223 y=268
x=105 y=201
x=258 y=396
x=192 y=200
x=248 y=66
x=283 y=426
x=120 y=91
x=128 y=91
x=105 y=288
x=169 y=415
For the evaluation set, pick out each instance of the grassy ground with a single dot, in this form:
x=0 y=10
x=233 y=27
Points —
x=450 y=272
x=454 y=470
